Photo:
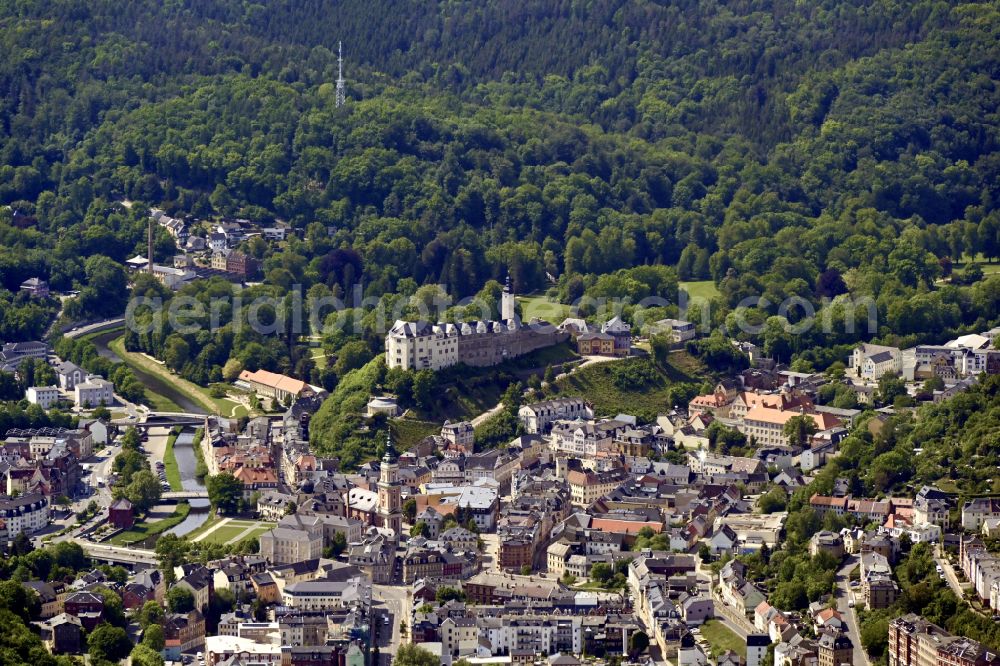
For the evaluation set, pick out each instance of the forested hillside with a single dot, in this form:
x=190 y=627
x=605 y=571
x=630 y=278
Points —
x=777 y=148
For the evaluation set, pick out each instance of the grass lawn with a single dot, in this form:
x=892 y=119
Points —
x=408 y=432
x=224 y=534
x=319 y=358
x=142 y=530
x=948 y=485
x=170 y=468
x=721 y=638
x=598 y=383
x=234 y=529
x=701 y=289
x=207 y=525
x=256 y=532
x=194 y=392
x=542 y=308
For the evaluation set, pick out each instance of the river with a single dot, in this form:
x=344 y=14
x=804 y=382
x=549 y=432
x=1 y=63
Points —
x=186 y=463
x=152 y=383
x=183 y=445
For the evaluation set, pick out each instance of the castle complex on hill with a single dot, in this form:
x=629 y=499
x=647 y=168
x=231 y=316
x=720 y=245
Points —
x=421 y=345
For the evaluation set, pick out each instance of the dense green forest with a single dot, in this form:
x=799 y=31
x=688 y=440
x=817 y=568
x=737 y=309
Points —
x=822 y=151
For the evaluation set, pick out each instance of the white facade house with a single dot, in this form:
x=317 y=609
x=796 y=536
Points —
x=284 y=545
x=678 y=329
x=25 y=513
x=460 y=434
x=583 y=439
x=870 y=362
x=43 y=396
x=69 y=375
x=322 y=595
x=94 y=392
x=975 y=511
x=539 y=416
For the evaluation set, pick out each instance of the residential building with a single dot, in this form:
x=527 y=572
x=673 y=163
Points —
x=200 y=581
x=622 y=334
x=587 y=487
x=827 y=542
x=459 y=435
x=679 y=330
x=51 y=602
x=45 y=397
x=27 y=513
x=35 y=287
x=757 y=645
x=975 y=511
x=538 y=417
x=87 y=607
x=324 y=595
x=12 y=354
x=273 y=505
x=931 y=506
x=62 y=634
x=913 y=641
x=595 y=343
x=870 y=362
x=183 y=632
x=834 y=649
x=283 y=545
x=375 y=556
x=69 y=375
x=94 y=391
x=583 y=439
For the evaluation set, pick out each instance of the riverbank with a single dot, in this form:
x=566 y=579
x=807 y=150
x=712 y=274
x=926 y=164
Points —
x=193 y=392
x=142 y=530
x=170 y=469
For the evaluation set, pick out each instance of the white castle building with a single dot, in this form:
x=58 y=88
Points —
x=422 y=345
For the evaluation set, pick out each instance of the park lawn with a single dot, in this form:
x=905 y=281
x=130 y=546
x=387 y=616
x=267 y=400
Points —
x=143 y=530
x=319 y=358
x=205 y=526
x=722 y=638
x=256 y=532
x=225 y=534
x=193 y=391
x=701 y=289
x=542 y=307
x=170 y=469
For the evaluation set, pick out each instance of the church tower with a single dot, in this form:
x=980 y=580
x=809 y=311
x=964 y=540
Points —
x=390 y=504
x=507 y=302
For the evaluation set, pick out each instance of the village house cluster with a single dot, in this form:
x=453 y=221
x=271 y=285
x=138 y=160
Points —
x=587 y=534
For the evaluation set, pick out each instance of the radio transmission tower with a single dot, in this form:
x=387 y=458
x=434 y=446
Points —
x=341 y=96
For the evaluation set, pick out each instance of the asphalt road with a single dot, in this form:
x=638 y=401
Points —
x=949 y=572
x=843 y=594
x=390 y=601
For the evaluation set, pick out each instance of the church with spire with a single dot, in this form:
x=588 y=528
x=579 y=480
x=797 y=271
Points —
x=390 y=501
x=421 y=345
x=382 y=507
